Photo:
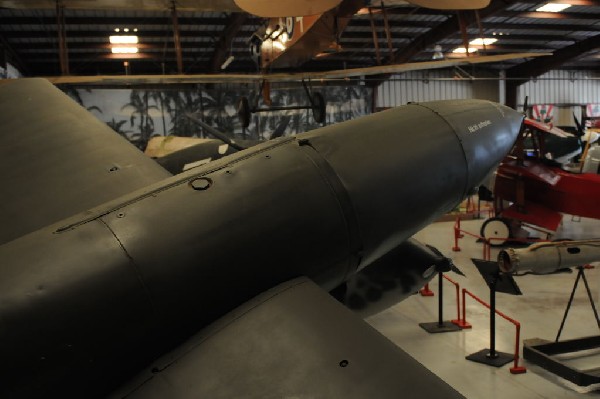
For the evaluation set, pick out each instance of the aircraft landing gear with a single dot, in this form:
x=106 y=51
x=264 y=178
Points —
x=496 y=230
x=317 y=105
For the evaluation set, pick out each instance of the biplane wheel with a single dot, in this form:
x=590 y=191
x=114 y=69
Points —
x=496 y=231
x=318 y=107
x=243 y=111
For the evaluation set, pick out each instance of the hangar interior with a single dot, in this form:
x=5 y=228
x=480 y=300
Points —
x=188 y=61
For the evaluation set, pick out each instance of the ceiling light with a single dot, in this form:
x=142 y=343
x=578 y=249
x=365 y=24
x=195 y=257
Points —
x=483 y=41
x=126 y=30
x=279 y=45
x=437 y=53
x=462 y=50
x=135 y=29
x=284 y=37
x=553 y=7
x=122 y=39
x=124 y=50
x=117 y=29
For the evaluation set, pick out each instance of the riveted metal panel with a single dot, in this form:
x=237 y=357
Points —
x=68 y=299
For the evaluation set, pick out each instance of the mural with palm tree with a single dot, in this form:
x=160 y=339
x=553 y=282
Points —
x=118 y=127
x=74 y=94
x=140 y=107
x=163 y=112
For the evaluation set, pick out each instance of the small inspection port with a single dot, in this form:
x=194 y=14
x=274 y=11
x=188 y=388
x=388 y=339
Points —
x=201 y=183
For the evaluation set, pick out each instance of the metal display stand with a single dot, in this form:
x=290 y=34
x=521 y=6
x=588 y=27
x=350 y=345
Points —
x=580 y=275
x=440 y=326
x=496 y=282
x=546 y=354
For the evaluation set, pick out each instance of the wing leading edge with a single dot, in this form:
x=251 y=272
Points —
x=57 y=159
x=292 y=341
x=286 y=77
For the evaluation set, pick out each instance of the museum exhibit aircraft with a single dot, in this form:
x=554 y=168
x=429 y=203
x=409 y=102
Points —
x=532 y=189
x=263 y=8
x=341 y=74
x=119 y=279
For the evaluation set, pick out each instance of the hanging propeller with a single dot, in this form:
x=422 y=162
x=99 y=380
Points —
x=446 y=265
x=580 y=131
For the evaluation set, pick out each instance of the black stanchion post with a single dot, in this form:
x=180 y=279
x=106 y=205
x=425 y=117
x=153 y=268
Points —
x=490 y=356
x=440 y=325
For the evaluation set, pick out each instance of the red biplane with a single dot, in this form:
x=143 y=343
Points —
x=532 y=189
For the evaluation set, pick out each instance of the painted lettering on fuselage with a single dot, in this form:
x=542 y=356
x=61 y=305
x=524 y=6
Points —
x=477 y=126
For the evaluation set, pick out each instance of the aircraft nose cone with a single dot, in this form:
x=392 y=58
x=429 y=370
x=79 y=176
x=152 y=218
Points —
x=486 y=131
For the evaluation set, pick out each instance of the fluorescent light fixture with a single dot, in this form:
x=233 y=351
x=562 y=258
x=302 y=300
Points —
x=553 y=7
x=462 y=50
x=278 y=45
x=123 y=39
x=483 y=41
x=227 y=62
x=124 y=50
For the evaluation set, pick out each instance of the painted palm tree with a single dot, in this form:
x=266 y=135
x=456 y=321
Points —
x=118 y=127
x=158 y=97
x=180 y=103
x=220 y=109
x=74 y=94
x=138 y=102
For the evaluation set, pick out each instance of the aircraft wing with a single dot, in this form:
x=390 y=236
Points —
x=62 y=161
x=286 y=77
x=294 y=341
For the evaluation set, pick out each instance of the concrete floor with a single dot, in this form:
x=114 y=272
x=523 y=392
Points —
x=539 y=310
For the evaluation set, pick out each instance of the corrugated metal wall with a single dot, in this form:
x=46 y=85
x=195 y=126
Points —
x=555 y=87
x=421 y=86
x=561 y=87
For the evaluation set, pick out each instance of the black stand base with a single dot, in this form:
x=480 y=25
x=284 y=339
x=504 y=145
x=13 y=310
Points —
x=483 y=356
x=436 y=327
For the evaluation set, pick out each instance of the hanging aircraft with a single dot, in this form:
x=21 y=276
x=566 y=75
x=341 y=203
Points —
x=263 y=8
x=288 y=41
x=119 y=279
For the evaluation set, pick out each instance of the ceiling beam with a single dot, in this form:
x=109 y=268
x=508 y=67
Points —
x=12 y=56
x=380 y=23
x=591 y=3
x=224 y=44
x=531 y=38
x=442 y=31
x=176 y=41
x=541 y=65
x=102 y=34
x=547 y=27
x=119 y=22
x=538 y=66
x=550 y=15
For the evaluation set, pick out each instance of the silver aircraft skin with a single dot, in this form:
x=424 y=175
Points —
x=116 y=279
